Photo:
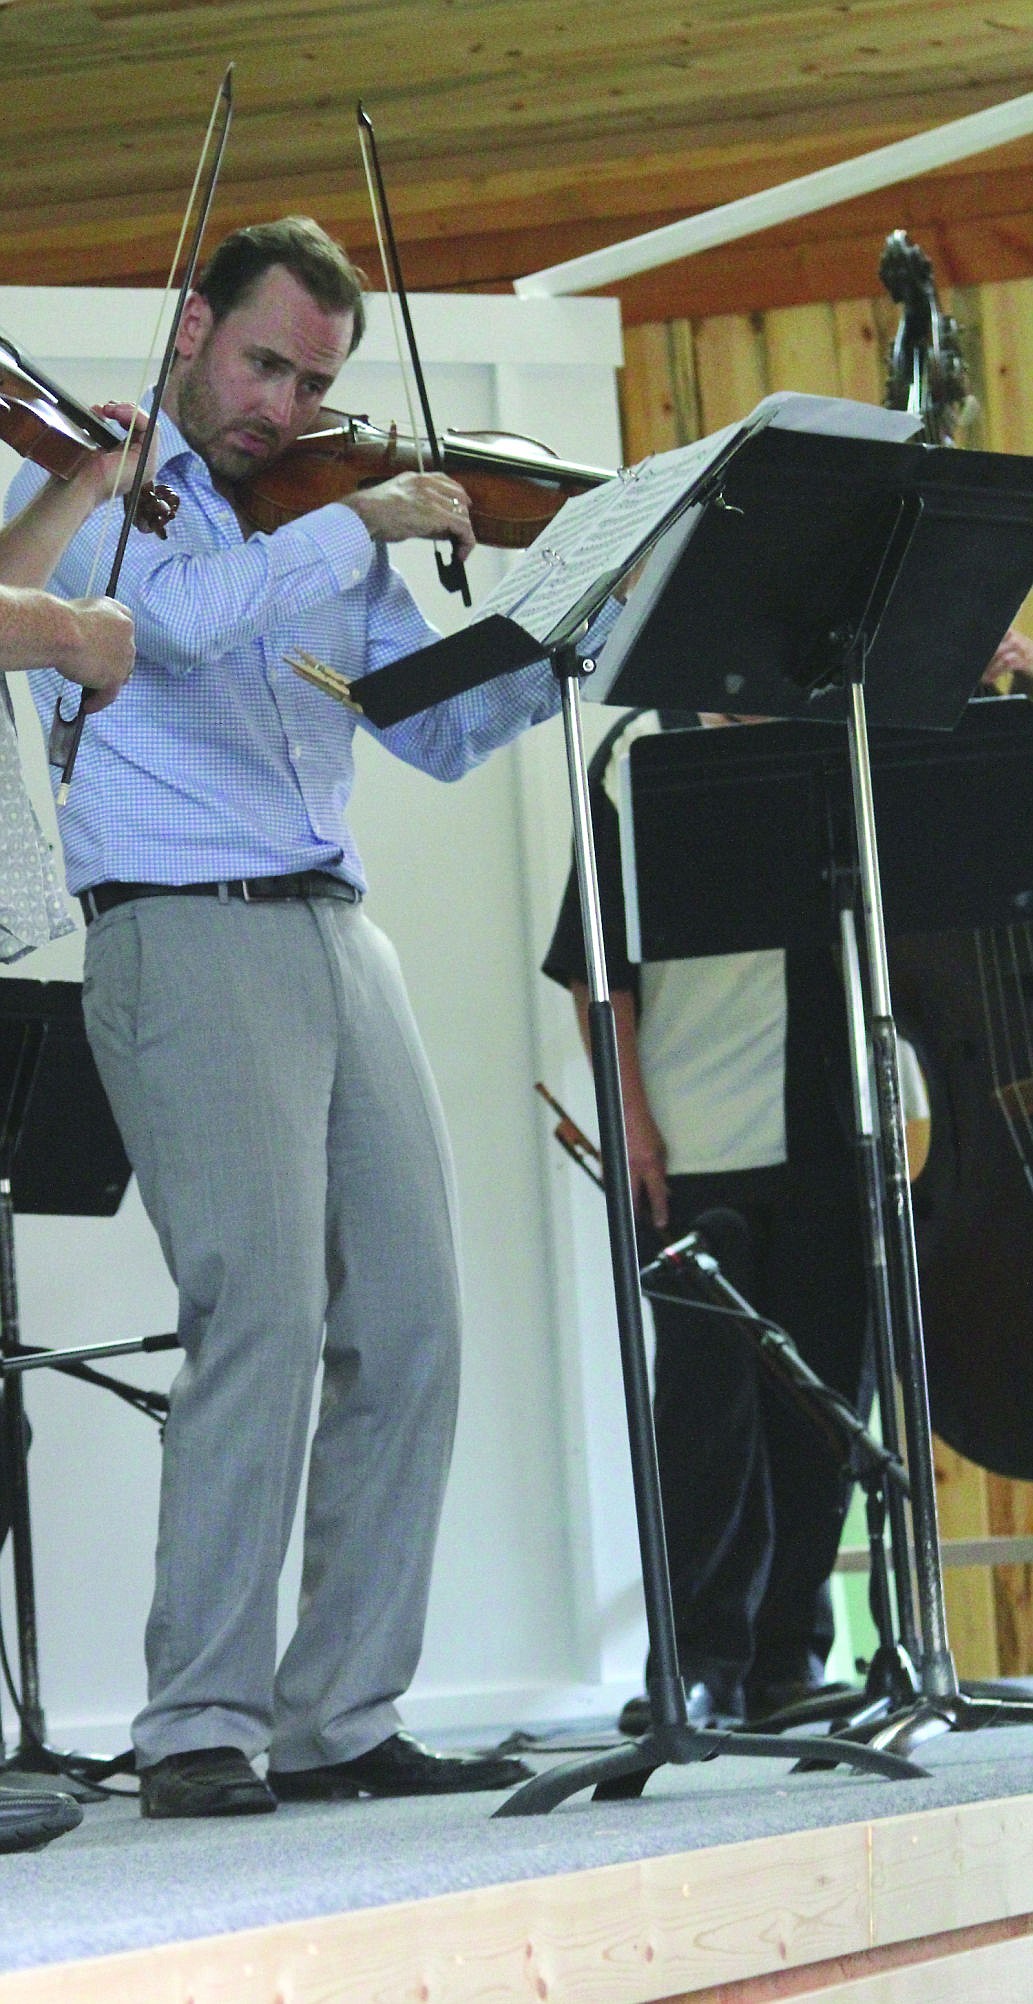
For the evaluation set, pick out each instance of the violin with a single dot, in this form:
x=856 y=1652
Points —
x=43 y=423
x=516 y=486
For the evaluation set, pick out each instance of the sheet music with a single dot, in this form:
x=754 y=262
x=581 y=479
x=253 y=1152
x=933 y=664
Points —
x=600 y=534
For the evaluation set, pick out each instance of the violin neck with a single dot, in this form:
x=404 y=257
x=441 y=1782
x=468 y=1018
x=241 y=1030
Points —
x=495 y=458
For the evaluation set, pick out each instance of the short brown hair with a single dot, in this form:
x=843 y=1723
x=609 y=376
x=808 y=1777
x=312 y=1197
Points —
x=304 y=249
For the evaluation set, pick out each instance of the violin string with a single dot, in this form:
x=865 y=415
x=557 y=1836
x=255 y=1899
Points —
x=1024 y=986
x=1015 y=1083
x=144 y=377
x=390 y=294
x=1022 y=1010
x=999 y=1092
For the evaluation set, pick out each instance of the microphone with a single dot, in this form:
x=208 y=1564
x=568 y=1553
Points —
x=680 y=1257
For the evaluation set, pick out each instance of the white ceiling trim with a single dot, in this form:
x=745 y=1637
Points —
x=904 y=160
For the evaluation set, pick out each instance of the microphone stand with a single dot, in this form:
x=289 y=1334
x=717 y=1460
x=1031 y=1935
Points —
x=875 y=1465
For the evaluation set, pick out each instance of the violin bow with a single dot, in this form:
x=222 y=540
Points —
x=66 y=732
x=451 y=573
x=573 y=1142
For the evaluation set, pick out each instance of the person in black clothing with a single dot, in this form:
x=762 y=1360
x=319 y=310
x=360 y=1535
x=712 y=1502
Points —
x=736 y=1099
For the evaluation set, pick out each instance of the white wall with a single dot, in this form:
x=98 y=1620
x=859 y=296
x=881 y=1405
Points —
x=536 y=1602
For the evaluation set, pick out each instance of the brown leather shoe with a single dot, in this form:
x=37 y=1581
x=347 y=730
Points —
x=207 y=1781
x=398 y=1766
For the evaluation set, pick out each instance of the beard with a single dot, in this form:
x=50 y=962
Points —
x=208 y=432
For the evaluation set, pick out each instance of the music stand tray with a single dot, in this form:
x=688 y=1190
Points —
x=752 y=601
x=57 y=1130
x=769 y=808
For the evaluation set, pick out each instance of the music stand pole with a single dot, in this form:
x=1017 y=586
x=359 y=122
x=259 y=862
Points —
x=938 y=1674
x=665 y=1688
x=901 y=1672
x=940 y=1705
x=671 y=1740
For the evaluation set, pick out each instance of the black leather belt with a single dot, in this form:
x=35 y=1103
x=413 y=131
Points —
x=250 y=890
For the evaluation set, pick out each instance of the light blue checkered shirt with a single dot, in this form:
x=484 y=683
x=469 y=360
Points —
x=217 y=761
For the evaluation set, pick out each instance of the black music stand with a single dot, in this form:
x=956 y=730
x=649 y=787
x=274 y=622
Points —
x=624 y=1771
x=806 y=572
x=940 y=801
x=60 y=1153
x=803 y=566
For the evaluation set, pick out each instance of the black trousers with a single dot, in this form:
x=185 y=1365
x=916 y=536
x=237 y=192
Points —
x=753 y=1498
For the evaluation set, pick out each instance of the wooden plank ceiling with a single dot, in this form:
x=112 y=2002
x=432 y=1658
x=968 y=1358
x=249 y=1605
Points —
x=513 y=133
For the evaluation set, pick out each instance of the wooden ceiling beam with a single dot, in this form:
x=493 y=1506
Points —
x=780 y=268
x=514 y=133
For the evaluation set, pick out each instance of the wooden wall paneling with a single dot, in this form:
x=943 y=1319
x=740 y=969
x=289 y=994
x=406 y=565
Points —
x=1006 y=346
x=1010 y=1511
x=731 y=367
x=997 y=340
x=963 y=1507
x=861 y=350
x=800 y=344
x=659 y=399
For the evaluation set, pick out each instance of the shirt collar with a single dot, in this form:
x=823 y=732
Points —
x=171 y=443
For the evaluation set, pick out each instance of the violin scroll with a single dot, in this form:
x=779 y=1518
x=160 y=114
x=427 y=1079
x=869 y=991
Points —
x=43 y=423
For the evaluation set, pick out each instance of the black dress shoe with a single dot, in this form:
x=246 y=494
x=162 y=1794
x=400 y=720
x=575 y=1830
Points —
x=208 y=1781
x=704 y=1708
x=764 y=1700
x=29 y=1821
x=398 y=1766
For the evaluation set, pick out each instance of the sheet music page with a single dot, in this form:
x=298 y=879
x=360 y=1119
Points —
x=834 y=417
x=598 y=535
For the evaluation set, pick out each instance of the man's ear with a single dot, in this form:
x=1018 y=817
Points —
x=194 y=326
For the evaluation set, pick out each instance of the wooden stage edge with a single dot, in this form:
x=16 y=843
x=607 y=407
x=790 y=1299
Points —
x=930 y=1908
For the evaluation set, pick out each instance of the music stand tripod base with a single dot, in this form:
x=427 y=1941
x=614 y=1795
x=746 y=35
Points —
x=622 y=1774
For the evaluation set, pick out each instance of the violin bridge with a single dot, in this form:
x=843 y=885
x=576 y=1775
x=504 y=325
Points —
x=330 y=680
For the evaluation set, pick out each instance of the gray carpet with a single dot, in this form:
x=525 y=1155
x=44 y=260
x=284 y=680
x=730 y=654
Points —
x=120 y=1883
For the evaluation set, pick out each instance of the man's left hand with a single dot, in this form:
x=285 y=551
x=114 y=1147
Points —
x=416 y=504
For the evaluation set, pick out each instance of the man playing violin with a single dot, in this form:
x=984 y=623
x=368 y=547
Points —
x=254 y=1036
x=92 y=640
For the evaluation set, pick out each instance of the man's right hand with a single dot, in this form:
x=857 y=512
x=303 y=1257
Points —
x=647 y=1162
x=100 y=649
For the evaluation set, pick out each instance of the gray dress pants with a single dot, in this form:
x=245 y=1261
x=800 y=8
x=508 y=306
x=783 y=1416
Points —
x=277 y=1107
